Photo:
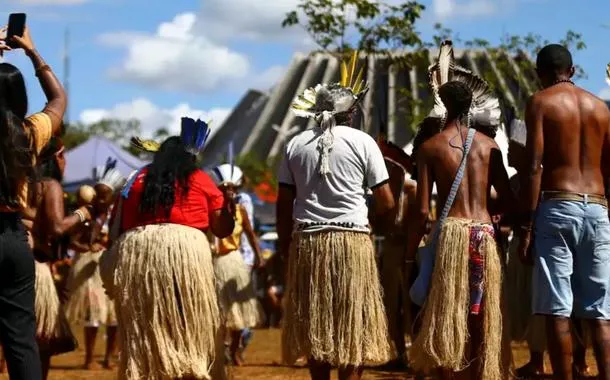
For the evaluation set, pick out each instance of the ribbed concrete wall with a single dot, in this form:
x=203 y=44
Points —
x=397 y=98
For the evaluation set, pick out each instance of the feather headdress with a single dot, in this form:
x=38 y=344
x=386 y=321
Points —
x=227 y=174
x=194 y=134
x=608 y=74
x=149 y=146
x=113 y=179
x=485 y=109
x=335 y=98
x=324 y=101
x=100 y=171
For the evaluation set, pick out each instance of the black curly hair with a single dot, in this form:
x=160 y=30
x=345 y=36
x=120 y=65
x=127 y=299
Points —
x=457 y=98
x=172 y=164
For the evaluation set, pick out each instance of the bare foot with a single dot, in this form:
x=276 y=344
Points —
x=237 y=360
x=93 y=366
x=109 y=364
x=530 y=370
x=581 y=371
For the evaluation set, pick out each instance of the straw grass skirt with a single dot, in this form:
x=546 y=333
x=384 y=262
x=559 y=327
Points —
x=52 y=328
x=443 y=337
x=236 y=293
x=46 y=306
x=163 y=287
x=395 y=295
x=88 y=303
x=333 y=308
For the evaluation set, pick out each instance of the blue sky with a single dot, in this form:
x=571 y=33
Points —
x=157 y=60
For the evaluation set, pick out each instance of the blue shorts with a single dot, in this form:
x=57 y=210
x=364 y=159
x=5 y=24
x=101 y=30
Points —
x=572 y=260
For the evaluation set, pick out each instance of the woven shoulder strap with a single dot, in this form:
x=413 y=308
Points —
x=456 y=182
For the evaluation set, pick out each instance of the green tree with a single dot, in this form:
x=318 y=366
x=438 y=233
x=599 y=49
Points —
x=338 y=26
x=118 y=131
x=384 y=28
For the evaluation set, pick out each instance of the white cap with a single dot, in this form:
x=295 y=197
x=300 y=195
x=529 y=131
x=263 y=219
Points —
x=227 y=174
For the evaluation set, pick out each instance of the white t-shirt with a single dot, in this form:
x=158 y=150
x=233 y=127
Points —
x=356 y=164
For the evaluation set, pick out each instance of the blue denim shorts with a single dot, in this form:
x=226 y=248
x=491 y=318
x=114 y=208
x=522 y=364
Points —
x=572 y=260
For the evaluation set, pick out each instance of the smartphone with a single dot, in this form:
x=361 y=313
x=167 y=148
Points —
x=16 y=27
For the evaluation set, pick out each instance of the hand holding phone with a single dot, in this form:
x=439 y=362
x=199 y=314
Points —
x=16 y=28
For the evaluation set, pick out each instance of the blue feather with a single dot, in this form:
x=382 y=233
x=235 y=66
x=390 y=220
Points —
x=110 y=164
x=194 y=134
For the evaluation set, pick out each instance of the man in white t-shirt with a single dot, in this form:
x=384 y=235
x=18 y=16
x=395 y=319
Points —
x=334 y=312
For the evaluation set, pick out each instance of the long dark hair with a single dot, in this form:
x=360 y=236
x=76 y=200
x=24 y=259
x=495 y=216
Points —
x=16 y=164
x=47 y=163
x=172 y=164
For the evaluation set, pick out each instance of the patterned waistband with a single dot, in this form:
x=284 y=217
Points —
x=340 y=225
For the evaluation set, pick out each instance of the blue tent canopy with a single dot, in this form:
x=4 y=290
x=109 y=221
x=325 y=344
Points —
x=82 y=161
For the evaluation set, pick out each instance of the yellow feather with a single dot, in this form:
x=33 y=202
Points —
x=343 y=74
x=352 y=68
x=357 y=87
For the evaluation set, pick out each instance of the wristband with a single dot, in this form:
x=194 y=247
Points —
x=80 y=215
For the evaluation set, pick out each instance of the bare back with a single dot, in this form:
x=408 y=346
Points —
x=484 y=169
x=574 y=125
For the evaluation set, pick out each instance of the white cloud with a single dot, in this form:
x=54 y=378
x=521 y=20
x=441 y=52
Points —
x=604 y=94
x=153 y=117
x=174 y=58
x=224 y=20
x=444 y=9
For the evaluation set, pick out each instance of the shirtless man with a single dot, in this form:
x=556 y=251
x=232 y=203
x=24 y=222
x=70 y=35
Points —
x=568 y=135
x=466 y=249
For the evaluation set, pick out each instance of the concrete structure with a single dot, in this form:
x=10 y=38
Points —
x=398 y=97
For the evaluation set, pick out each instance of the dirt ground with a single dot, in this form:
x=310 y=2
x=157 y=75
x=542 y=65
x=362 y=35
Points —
x=262 y=362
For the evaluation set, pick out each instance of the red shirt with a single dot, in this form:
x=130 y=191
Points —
x=191 y=210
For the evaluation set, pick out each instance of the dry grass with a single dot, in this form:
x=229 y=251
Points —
x=262 y=360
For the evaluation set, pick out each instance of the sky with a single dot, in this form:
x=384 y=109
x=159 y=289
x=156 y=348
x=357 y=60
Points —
x=159 y=60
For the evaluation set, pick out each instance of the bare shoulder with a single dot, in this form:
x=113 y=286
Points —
x=429 y=146
x=483 y=139
x=52 y=185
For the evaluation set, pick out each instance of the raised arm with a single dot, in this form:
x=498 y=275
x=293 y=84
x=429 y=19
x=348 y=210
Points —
x=53 y=90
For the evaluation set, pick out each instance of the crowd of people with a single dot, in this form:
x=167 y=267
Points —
x=169 y=263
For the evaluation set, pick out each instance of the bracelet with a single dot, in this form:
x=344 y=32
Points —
x=80 y=215
x=42 y=69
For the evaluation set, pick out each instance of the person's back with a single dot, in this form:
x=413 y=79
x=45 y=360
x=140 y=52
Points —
x=462 y=266
x=575 y=127
x=566 y=208
x=332 y=285
x=337 y=199
x=445 y=152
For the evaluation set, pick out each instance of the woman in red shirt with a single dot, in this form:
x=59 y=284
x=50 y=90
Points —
x=161 y=277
